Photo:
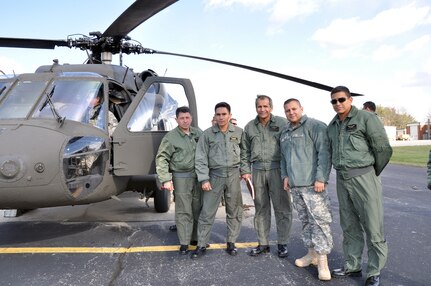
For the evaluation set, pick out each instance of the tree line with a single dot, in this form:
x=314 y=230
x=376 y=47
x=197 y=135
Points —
x=392 y=117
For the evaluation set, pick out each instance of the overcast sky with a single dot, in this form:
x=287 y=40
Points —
x=378 y=48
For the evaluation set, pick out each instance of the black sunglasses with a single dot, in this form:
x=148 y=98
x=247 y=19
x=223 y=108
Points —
x=340 y=100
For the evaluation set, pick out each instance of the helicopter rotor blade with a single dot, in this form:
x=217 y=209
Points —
x=32 y=43
x=136 y=14
x=259 y=70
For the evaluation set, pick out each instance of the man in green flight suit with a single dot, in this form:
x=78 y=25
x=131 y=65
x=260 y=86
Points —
x=261 y=144
x=175 y=167
x=217 y=162
x=360 y=151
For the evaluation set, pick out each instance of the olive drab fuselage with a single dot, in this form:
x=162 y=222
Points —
x=54 y=139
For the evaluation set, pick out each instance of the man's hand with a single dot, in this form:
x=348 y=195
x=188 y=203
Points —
x=286 y=184
x=246 y=176
x=206 y=186
x=319 y=187
x=168 y=186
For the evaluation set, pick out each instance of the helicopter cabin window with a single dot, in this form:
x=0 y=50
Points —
x=156 y=111
x=21 y=99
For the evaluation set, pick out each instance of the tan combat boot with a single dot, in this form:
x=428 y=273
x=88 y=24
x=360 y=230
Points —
x=322 y=267
x=309 y=258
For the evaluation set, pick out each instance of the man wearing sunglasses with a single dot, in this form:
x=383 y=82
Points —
x=360 y=151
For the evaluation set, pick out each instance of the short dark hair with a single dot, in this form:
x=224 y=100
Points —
x=262 y=97
x=370 y=105
x=290 y=100
x=222 y=104
x=182 y=109
x=339 y=89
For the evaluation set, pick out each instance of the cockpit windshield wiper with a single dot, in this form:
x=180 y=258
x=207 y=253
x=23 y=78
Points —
x=51 y=105
x=2 y=90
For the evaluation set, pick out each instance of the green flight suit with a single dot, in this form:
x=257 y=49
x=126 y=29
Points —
x=217 y=160
x=175 y=161
x=360 y=150
x=262 y=148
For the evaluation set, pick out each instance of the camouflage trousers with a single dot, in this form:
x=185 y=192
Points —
x=314 y=211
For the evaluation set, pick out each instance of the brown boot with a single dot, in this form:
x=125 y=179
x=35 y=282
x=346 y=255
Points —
x=309 y=258
x=322 y=267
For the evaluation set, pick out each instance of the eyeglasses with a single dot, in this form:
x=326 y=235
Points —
x=340 y=100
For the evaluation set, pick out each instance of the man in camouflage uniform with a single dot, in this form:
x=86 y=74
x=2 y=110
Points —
x=217 y=162
x=360 y=151
x=175 y=166
x=261 y=144
x=305 y=168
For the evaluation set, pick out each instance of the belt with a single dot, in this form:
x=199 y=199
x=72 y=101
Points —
x=354 y=172
x=224 y=172
x=259 y=165
x=191 y=174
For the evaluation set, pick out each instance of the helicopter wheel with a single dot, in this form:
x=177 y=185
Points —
x=162 y=199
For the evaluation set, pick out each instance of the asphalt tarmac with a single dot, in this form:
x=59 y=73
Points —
x=127 y=243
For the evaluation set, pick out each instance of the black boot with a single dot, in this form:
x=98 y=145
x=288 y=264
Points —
x=259 y=250
x=231 y=249
x=282 y=251
x=184 y=249
x=198 y=252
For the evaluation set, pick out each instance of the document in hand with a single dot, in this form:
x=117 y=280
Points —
x=250 y=188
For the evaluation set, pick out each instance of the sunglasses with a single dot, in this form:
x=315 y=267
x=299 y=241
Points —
x=340 y=100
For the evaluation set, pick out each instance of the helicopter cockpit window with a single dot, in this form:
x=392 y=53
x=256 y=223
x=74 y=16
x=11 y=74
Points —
x=78 y=100
x=21 y=99
x=156 y=111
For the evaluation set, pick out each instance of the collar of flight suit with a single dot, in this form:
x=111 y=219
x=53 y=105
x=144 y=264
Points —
x=271 y=120
x=353 y=112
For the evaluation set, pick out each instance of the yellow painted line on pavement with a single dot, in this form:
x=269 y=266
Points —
x=47 y=250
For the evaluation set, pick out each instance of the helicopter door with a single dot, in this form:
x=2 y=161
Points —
x=149 y=117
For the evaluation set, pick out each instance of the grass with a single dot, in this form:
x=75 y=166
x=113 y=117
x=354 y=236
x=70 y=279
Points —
x=411 y=155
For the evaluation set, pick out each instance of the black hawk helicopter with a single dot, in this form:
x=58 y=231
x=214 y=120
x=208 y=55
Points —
x=57 y=139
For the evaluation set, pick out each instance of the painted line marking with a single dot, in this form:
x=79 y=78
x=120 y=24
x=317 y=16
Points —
x=47 y=250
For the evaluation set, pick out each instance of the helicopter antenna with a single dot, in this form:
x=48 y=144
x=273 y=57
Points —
x=166 y=70
x=55 y=62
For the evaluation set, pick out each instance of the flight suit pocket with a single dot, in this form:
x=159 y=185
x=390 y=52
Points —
x=359 y=144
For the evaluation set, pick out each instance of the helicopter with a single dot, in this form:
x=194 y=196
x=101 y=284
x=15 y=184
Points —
x=59 y=148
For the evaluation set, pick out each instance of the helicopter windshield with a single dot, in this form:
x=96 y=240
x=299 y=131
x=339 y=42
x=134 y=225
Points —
x=21 y=99
x=77 y=100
